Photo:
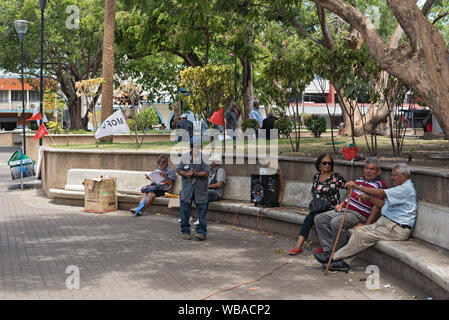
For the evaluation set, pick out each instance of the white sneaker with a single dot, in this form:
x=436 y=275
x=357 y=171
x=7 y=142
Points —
x=197 y=222
x=190 y=220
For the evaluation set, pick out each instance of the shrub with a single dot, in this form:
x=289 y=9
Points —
x=316 y=124
x=146 y=119
x=250 y=124
x=54 y=127
x=284 y=126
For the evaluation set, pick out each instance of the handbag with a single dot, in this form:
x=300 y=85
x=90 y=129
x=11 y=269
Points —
x=318 y=205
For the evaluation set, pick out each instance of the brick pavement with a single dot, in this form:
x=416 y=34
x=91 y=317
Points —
x=125 y=257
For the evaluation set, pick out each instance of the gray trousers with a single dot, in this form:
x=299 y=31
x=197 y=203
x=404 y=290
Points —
x=328 y=223
x=367 y=236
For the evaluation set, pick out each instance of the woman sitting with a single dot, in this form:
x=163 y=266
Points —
x=325 y=196
x=153 y=190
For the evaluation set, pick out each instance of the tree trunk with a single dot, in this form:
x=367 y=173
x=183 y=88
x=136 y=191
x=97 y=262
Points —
x=422 y=65
x=74 y=104
x=247 y=91
x=107 y=94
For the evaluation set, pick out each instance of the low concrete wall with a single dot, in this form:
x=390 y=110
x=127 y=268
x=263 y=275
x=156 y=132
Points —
x=9 y=138
x=71 y=139
x=431 y=184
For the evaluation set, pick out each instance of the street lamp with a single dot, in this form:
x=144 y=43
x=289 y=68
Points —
x=21 y=28
x=42 y=4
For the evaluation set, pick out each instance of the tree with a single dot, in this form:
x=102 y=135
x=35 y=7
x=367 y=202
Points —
x=183 y=28
x=107 y=92
x=210 y=88
x=325 y=30
x=421 y=62
x=130 y=96
x=288 y=71
x=72 y=47
x=88 y=89
x=157 y=74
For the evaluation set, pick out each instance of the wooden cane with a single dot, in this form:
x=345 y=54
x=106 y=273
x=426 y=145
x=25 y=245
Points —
x=348 y=196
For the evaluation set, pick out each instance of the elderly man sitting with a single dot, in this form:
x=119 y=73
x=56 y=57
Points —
x=396 y=223
x=216 y=180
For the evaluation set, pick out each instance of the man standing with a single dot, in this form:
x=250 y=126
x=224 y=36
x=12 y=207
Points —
x=255 y=114
x=359 y=212
x=398 y=216
x=217 y=179
x=268 y=123
x=194 y=172
x=184 y=124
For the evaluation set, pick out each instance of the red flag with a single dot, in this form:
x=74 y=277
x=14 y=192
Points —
x=42 y=131
x=218 y=117
x=36 y=116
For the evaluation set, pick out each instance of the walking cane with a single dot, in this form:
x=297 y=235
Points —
x=348 y=195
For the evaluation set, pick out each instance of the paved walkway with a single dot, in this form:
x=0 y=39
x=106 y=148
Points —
x=123 y=257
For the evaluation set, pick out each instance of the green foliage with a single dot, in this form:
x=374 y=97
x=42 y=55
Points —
x=316 y=124
x=54 y=127
x=284 y=126
x=145 y=119
x=250 y=124
x=210 y=88
x=78 y=131
x=70 y=54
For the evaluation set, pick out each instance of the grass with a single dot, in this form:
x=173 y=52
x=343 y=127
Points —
x=308 y=146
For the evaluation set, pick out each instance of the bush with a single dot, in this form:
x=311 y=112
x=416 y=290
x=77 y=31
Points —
x=54 y=127
x=250 y=124
x=146 y=119
x=284 y=126
x=316 y=124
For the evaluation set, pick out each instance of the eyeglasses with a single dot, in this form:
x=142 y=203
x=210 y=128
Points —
x=326 y=163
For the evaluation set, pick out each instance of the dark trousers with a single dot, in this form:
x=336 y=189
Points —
x=307 y=225
x=185 y=211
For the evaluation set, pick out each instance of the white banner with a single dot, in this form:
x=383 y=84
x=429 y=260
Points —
x=37 y=110
x=113 y=125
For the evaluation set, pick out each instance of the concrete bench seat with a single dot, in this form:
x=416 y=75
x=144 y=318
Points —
x=423 y=260
x=127 y=181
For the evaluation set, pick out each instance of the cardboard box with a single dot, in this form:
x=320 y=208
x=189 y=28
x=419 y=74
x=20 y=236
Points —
x=100 y=195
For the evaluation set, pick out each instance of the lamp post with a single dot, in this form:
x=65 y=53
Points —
x=21 y=28
x=42 y=4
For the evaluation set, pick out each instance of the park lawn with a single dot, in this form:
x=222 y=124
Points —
x=308 y=146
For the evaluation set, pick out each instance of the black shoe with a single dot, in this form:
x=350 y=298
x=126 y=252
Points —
x=322 y=257
x=338 y=265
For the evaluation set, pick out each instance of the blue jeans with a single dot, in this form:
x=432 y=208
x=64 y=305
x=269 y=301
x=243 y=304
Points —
x=307 y=225
x=212 y=196
x=186 y=209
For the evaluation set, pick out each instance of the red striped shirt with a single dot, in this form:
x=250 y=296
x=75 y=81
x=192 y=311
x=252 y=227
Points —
x=363 y=207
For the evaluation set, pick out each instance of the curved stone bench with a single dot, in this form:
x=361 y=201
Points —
x=423 y=260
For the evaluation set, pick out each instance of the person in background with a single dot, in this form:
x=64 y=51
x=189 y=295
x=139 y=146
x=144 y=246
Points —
x=184 y=124
x=157 y=190
x=326 y=186
x=268 y=123
x=255 y=114
x=230 y=117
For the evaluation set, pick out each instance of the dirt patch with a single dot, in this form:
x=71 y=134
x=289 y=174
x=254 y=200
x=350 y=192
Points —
x=416 y=151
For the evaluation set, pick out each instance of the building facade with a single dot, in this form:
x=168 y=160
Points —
x=11 y=101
